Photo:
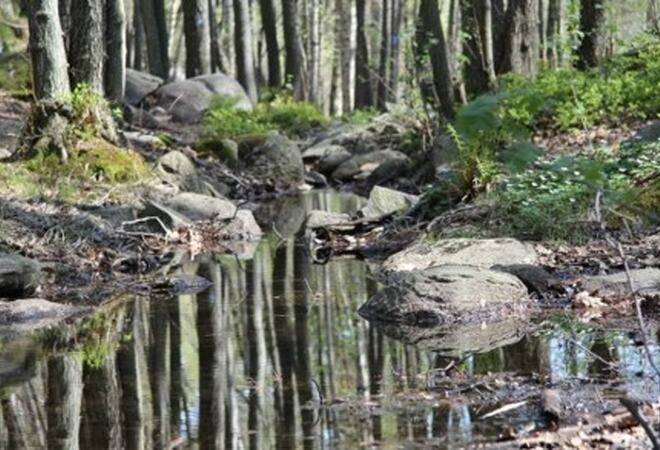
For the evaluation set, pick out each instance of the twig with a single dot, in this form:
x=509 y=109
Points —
x=168 y=232
x=633 y=407
x=503 y=409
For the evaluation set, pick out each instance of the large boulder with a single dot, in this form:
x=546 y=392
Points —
x=243 y=226
x=446 y=294
x=384 y=202
x=19 y=276
x=475 y=252
x=361 y=166
x=327 y=157
x=188 y=100
x=177 y=169
x=201 y=207
x=272 y=159
x=139 y=85
x=318 y=219
x=645 y=281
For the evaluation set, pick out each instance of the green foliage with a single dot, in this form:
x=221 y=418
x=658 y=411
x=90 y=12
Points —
x=90 y=111
x=487 y=143
x=551 y=200
x=360 y=116
x=624 y=89
x=282 y=113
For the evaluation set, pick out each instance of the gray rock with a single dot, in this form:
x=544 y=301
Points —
x=388 y=171
x=649 y=133
x=5 y=153
x=201 y=207
x=243 y=226
x=384 y=202
x=285 y=215
x=446 y=294
x=139 y=85
x=170 y=218
x=363 y=165
x=188 y=100
x=317 y=218
x=536 y=278
x=329 y=163
x=474 y=252
x=274 y=160
x=34 y=314
x=19 y=276
x=322 y=150
x=175 y=168
x=645 y=281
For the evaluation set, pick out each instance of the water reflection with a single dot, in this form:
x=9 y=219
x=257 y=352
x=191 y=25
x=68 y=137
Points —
x=273 y=355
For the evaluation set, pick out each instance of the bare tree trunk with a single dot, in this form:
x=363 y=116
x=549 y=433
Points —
x=433 y=40
x=385 y=55
x=214 y=28
x=115 y=70
x=472 y=27
x=138 y=30
x=553 y=31
x=227 y=36
x=49 y=66
x=455 y=49
x=294 y=68
x=346 y=35
x=363 y=86
x=652 y=17
x=521 y=43
x=198 y=37
x=314 y=61
x=86 y=49
x=63 y=401
x=243 y=45
x=269 y=20
x=488 y=44
x=395 y=49
x=592 y=26
x=155 y=33
x=64 y=7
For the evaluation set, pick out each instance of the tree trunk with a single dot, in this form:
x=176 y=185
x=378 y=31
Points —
x=592 y=26
x=432 y=40
x=115 y=70
x=346 y=35
x=314 y=61
x=243 y=45
x=86 y=48
x=652 y=17
x=138 y=44
x=521 y=42
x=472 y=18
x=385 y=55
x=363 y=87
x=227 y=36
x=294 y=68
x=198 y=37
x=64 y=7
x=49 y=67
x=395 y=49
x=269 y=20
x=553 y=31
x=155 y=33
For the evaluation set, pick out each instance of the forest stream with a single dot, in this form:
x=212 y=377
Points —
x=274 y=355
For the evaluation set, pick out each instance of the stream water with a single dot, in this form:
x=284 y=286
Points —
x=274 y=355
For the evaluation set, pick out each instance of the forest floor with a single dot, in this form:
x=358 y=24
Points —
x=91 y=254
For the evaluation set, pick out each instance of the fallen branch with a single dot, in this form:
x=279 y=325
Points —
x=633 y=407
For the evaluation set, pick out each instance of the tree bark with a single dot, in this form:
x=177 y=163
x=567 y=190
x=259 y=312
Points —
x=314 y=55
x=431 y=39
x=64 y=7
x=521 y=42
x=86 y=47
x=115 y=70
x=346 y=34
x=155 y=33
x=197 y=34
x=243 y=45
x=385 y=55
x=395 y=49
x=363 y=85
x=472 y=24
x=269 y=20
x=592 y=26
x=293 y=63
x=553 y=31
x=49 y=66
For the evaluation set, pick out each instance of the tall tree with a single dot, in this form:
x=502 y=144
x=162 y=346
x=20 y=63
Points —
x=115 y=38
x=363 y=87
x=156 y=37
x=592 y=26
x=197 y=33
x=431 y=40
x=314 y=53
x=346 y=35
x=395 y=48
x=243 y=45
x=269 y=21
x=385 y=54
x=86 y=46
x=49 y=67
x=553 y=31
x=473 y=27
x=521 y=39
x=293 y=63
